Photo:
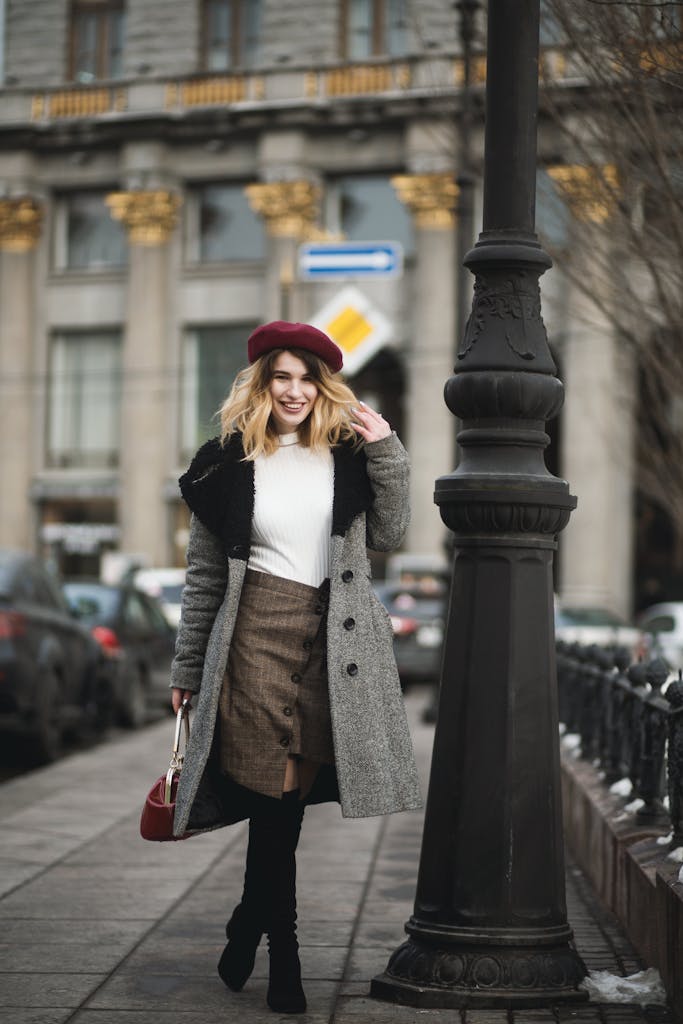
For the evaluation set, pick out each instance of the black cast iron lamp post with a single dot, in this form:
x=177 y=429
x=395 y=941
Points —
x=489 y=926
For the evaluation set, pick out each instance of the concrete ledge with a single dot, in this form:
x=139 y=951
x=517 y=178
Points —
x=629 y=870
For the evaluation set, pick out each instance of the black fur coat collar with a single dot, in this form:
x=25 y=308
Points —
x=219 y=488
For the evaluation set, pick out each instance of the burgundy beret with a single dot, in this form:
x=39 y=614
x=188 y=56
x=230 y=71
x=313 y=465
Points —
x=281 y=334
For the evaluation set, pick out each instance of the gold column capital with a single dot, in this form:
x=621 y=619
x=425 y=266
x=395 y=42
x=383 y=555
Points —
x=21 y=220
x=589 y=191
x=431 y=198
x=149 y=216
x=289 y=208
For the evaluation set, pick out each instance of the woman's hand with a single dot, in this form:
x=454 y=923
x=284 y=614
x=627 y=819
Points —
x=178 y=696
x=372 y=426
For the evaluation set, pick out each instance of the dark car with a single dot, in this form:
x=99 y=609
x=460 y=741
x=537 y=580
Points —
x=417 y=611
x=133 y=632
x=53 y=679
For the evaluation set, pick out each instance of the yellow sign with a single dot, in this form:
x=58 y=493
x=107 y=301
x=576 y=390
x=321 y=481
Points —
x=355 y=325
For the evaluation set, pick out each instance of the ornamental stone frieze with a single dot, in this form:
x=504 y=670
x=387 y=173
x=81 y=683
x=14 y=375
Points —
x=431 y=198
x=149 y=216
x=289 y=208
x=21 y=219
x=590 y=192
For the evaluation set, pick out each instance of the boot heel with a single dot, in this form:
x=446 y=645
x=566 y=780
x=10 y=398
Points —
x=285 y=991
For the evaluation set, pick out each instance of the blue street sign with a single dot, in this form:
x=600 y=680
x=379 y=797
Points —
x=334 y=260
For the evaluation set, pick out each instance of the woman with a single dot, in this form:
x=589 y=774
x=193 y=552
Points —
x=281 y=635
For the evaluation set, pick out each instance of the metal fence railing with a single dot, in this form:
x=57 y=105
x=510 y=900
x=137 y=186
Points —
x=629 y=718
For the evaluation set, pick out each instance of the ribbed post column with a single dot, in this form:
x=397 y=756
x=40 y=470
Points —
x=489 y=927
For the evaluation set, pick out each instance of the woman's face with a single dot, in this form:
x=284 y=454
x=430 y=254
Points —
x=293 y=392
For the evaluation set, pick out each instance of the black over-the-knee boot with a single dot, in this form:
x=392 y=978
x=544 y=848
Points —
x=245 y=928
x=285 y=992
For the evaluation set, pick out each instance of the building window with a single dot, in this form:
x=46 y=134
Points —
x=97 y=28
x=85 y=400
x=365 y=208
x=372 y=28
x=86 y=235
x=212 y=357
x=222 y=227
x=230 y=34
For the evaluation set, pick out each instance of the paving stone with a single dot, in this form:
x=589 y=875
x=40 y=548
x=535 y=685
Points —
x=15 y=1015
x=176 y=993
x=366 y=962
x=256 y=1013
x=529 y=1016
x=485 y=1017
x=359 y=1009
x=52 y=991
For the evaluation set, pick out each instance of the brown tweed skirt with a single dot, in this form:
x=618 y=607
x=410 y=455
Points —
x=274 y=701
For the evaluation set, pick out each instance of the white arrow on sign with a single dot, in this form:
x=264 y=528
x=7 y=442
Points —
x=328 y=260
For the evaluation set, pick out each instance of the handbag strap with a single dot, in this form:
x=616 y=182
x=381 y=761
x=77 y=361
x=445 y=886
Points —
x=177 y=759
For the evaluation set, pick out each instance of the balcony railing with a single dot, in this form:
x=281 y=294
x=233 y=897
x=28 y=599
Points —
x=429 y=75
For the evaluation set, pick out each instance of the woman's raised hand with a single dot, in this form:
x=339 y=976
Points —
x=371 y=426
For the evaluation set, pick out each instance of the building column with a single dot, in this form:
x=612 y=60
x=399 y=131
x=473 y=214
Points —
x=150 y=216
x=290 y=211
x=20 y=225
x=431 y=199
x=598 y=428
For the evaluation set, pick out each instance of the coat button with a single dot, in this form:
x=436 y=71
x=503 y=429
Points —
x=308 y=644
x=295 y=677
x=284 y=742
x=349 y=623
x=352 y=669
x=287 y=711
x=347 y=576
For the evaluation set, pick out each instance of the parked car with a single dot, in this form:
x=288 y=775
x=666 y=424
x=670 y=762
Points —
x=133 y=632
x=53 y=677
x=662 y=627
x=417 y=612
x=589 y=625
x=166 y=585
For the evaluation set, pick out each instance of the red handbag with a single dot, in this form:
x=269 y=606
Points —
x=156 y=820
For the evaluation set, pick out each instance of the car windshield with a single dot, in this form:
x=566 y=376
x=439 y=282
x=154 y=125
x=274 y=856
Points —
x=586 y=617
x=93 y=603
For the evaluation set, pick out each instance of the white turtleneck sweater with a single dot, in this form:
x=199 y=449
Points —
x=290 y=534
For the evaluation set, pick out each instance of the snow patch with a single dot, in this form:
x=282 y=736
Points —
x=571 y=740
x=634 y=806
x=676 y=855
x=621 y=788
x=644 y=987
x=664 y=840
x=680 y=875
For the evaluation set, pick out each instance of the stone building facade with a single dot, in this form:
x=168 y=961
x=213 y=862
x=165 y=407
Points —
x=160 y=166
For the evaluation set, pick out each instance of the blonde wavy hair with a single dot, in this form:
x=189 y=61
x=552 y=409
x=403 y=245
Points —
x=248 y=407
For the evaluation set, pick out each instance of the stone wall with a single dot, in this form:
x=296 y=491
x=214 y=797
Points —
x=36 y=42
x=629 y=869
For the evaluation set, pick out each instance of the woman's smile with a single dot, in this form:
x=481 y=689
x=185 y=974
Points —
x=293 y=392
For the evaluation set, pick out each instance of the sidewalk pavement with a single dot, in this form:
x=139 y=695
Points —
x=99 y=927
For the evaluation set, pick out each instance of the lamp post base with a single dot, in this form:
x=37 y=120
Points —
x=420 y=974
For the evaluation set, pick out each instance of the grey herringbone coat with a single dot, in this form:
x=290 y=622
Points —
x=374 y=760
